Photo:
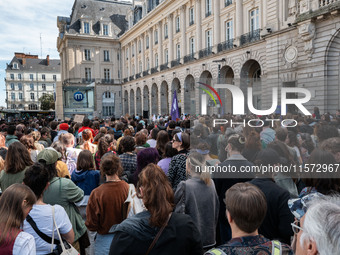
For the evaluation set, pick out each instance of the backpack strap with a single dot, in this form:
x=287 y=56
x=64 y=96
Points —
x=276 y=247
x=43 y=236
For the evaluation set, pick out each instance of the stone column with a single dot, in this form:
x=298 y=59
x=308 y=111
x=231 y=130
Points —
x=129 y=60
x=217 y=23
x=160 y=43
x=136 y=57
x=171 y=37
x=239 y=18
x=198 y=20
x=151 y=44
x=183 y=31
x=143 y=52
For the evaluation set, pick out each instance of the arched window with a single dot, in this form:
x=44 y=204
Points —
x=32 y=107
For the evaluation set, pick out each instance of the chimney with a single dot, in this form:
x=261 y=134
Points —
x=23 y=60
x=48 y=60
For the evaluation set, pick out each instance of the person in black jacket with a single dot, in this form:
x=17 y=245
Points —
x=276 y=224
x=136 y=234
x=225 y=180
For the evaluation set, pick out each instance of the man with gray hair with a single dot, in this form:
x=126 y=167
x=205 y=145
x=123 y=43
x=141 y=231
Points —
x=317 y=224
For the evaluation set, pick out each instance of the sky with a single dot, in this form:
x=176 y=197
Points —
x=21 y=24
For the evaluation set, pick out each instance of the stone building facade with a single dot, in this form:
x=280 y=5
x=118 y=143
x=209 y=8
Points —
x=89 y=48
x=179 y=44
x=28 y=78
x=249 y=43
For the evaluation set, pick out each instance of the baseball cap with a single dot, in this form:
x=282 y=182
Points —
x=299 y=206
x=50 y=155
x=64 y=126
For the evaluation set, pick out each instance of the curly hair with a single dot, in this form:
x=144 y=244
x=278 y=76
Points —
x=127 y=144
x=158 y=196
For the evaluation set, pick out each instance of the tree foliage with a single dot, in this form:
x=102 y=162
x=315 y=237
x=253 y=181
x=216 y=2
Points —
x=47 y=102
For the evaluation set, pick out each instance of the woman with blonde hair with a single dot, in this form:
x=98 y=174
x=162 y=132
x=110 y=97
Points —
x=15 y=204
x=87 y=141
x=36 y=136
x=156 y=230
x=197 y=197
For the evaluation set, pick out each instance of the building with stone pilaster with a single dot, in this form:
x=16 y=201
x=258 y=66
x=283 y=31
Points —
x=27 y=79
x=249 y=43
x=175 y=44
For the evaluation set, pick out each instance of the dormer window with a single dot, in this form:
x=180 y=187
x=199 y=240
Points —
x=105 y=29
x=15 y=66
x=86 y=28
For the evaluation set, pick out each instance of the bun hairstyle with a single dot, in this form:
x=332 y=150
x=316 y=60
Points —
x=237 y=142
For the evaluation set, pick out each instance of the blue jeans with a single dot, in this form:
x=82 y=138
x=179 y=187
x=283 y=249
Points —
x=102 y=244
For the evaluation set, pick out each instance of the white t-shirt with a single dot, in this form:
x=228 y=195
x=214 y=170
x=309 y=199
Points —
x=42 y=215
x=24 y=244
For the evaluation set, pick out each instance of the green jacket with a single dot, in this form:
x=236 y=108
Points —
x=64 y=192
x=7 y=179
x=11 y=139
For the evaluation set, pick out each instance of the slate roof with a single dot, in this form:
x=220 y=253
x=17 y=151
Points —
x=35 y=65
x=95 y=10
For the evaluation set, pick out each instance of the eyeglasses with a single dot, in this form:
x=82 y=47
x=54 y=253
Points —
x=296 y=226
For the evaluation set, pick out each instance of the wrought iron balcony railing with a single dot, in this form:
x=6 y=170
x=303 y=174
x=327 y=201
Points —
x=189 y=58
x=145 y=73
x=227 y=45
x=132 y=77
x=154 y=70
x=228 y=2
x=164 y=67
x=138 y=75
x=250 y=37
x=205 y=52
x=175 y=62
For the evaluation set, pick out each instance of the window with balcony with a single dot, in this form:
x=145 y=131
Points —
x=54 y=77
x=156 y=36
x=178 y=24
x=166 y=32
x=156 y=60
x=20 y=96
x=87 y=74
x=13 y=96
x=86 y=28
x=87 y=55
x=207 y=8
x=105 y=29
x=140 y=66
x=12 y=86
x=12 y=76
x=127 y=53
x=107 y=76
x=192 y=45
x=178 y=51
x=191 y=16
x=229 y=31
x=228 y=2
x=106 y=56
x=208 y=38
x=19 y=86
x=32 y=96
x=31 y=77
x=254 y=20
x=43 y=86
x=166 y=56
x=43 y=77
x=147 y=42
x=139 y=46
x=19 y=76
x=31 y=86
x=147 y=64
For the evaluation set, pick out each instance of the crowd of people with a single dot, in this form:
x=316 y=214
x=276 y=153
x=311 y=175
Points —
x=137 y=186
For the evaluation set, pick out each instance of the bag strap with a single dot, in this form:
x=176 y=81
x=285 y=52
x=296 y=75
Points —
x=158 y=235
x=43 y=236
x=276 y=247
x=55 y=224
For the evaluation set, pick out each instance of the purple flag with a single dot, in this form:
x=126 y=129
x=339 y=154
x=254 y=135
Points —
x=174 y=107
